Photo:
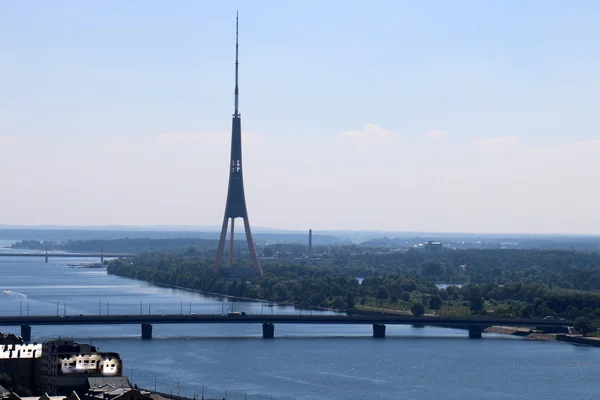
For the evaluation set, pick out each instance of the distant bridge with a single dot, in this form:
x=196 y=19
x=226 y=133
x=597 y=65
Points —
x=475 y=325
x=47 y=255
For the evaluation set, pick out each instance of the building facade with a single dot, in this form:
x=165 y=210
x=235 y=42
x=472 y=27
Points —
x=66 y=365
x=22 y=362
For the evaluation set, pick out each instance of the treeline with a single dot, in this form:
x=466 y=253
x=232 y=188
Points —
x=552 y=268
x=337 y=288
x=540 y=301
x=125 y=245
x=284 y=283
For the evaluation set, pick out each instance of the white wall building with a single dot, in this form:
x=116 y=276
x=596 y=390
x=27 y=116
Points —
x=66 y=365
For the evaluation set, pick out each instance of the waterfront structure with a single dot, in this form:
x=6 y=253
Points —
x=474 y=324
x=66 y=366
x=235 y=206
x=20 y=361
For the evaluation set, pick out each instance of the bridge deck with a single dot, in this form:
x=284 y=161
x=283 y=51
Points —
x=71 y=255
x=279 y=319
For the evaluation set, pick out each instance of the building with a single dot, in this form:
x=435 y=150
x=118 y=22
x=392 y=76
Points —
x=72 y=396
x=66 y=366
x=117 y=388
x=432 y=247
x=10 y=338
x=119 y=394
x=105 y=388
x=22 y=362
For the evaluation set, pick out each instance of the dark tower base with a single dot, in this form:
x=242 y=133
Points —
x=256 y=269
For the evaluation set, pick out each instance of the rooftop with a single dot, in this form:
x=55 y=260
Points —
x=108 y=383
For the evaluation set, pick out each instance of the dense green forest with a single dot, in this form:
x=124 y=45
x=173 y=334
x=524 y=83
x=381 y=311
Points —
x=553 y=268
x=525 y=283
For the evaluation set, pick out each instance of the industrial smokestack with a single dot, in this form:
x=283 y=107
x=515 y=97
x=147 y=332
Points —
x=310 y=241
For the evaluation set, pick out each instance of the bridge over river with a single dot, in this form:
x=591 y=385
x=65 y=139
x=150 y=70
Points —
x=47 y=255
x=475 y=325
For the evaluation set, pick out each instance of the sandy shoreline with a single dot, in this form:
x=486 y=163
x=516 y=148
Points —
x=546 y=337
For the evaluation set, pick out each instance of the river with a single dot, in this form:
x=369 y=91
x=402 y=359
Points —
x=302 y=362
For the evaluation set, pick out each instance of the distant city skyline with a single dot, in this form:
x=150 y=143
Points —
x=386 y=116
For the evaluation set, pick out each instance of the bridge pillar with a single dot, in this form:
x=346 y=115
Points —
x=26 y=333
x=379 y=331
x=146 y=331
x=268 y=331
x=475 y=331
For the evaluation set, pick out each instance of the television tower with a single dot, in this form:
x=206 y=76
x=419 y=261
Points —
x=235 y=206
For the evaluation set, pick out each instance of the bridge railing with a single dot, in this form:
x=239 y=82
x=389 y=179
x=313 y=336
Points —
x=149 y=307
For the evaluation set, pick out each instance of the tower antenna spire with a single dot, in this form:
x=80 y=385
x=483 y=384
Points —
x=237 y=94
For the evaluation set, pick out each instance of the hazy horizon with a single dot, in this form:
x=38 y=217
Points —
x=268 y=230
x=462 y=117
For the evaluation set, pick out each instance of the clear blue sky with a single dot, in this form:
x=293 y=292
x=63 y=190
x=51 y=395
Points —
x=391 y=115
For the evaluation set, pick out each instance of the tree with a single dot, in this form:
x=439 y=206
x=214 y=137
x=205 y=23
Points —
x=5 y=380
x=382 y=293
x=432 y=268
x=23 y=391
x=350 y=301
x=268 y=252
x=584 y=325
x=435 y=302
x=444 y=295
x=417 y=309
x=527 y=311
x=476 y=301
x=405 y=296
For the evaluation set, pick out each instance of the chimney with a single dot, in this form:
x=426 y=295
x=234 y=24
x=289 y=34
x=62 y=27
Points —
x=310 y=242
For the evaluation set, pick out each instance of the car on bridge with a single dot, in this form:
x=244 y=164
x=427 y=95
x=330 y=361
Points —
x=236 y=314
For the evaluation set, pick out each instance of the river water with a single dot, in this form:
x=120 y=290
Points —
x=302 y=362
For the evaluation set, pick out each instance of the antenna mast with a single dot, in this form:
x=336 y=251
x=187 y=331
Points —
x=236 y=101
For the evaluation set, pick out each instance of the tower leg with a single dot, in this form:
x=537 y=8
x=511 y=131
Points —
x=221 y=246
x=231 y=243
x=255 y=263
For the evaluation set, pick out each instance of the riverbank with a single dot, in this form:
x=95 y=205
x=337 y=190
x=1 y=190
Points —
x=545 y=337
x=271 y=303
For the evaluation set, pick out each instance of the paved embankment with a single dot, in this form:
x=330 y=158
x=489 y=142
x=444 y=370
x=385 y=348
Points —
x=548 y=337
